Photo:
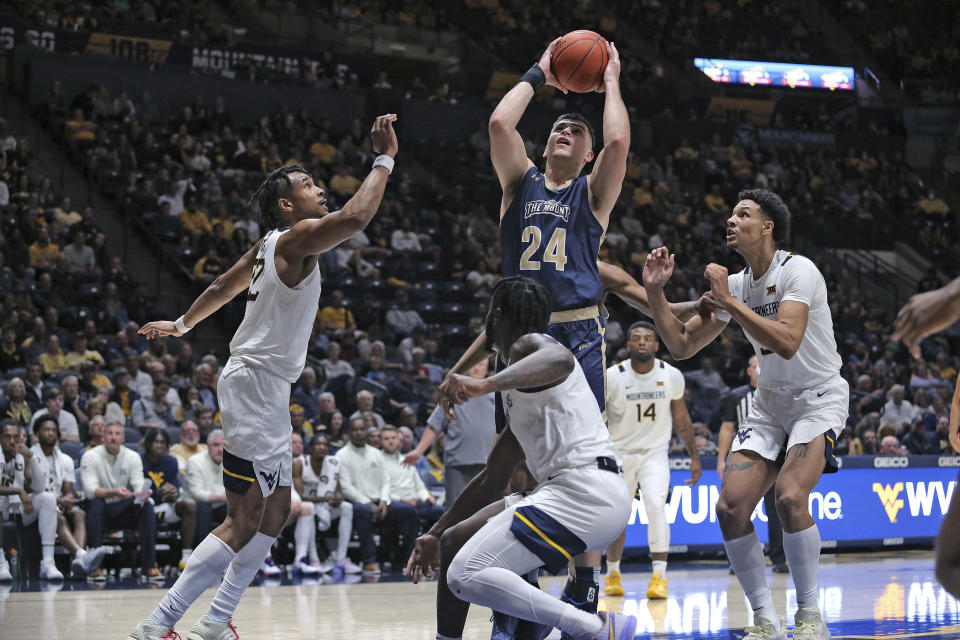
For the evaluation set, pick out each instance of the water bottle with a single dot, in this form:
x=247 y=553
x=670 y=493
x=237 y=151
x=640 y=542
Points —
x=15 y=565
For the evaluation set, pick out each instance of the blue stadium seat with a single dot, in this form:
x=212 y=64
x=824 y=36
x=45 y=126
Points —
x=73 y=449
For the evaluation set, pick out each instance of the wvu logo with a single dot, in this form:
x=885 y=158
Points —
x=743 y=434
x=772 y=289
x=270 y=478
x=156 y=476
x=889 y=496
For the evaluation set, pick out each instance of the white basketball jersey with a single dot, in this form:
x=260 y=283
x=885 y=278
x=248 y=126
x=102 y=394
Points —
x=790 y=277
x=326 y=483
x=559 y=428
x=49 y=473
x=277 y=322
x=638 y=405
x=11 y=473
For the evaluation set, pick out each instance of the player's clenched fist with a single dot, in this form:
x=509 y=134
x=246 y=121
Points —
x=458 y=389
x=425 y=558
x=658 y=268
x=717 y=276
x=382 y=136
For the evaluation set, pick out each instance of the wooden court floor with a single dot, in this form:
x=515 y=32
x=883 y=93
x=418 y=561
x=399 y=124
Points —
x=862 y=597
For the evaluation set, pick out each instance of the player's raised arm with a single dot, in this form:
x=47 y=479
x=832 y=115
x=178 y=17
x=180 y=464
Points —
x=221 y=291
x=682 y=339
x=317 y=235
x=606 y=179
x=507 y=152
x=620 y=283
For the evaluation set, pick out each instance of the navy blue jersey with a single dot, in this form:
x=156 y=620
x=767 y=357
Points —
x=166 y=471
x=553 y=238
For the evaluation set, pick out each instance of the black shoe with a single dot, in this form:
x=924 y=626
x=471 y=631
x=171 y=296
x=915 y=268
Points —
x=583 y=595
x=781 y=567
x=527 y=630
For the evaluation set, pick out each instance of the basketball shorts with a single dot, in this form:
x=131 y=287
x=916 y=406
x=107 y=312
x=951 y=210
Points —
x=578 y=510
x=584 y=338
x=780 y=419
x=649 y=471
x=255 y=413
x=166 y=512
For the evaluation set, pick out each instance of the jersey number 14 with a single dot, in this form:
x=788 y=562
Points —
x=650 y=412
x=556 y=251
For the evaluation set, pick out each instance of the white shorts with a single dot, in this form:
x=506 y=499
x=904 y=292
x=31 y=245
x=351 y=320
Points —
x=327 y=514
x=650 y=471
x=578 y=510
x=255 y=413
x=778 y=420
x=166 y=512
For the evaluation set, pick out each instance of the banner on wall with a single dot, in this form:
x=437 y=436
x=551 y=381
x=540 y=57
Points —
x=887 y=501
x=777 y=74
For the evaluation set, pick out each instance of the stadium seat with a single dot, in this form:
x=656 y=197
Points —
x=73 y=449
x=131 y=435
x=174 y=433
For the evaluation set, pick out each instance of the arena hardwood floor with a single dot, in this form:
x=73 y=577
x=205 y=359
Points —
x=865 y=596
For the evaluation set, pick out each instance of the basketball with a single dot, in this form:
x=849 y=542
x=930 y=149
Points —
x=579 y=61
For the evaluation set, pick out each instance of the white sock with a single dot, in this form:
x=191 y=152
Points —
x=80 y=555
x=746 y=558
x=660 y=566
x=344 y=529
x=185 y=554
x=803 y=555
x=206 y=564
x=301 y=535
x=578 y=623
x=47 y=553
x=613 y=566
x=240 y=574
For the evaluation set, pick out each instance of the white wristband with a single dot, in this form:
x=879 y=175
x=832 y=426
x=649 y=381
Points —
x=181 y=327
x=384 y=161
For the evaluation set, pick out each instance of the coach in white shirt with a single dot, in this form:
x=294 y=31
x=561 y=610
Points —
x=204 y=484
x=117 y=496
x=897 y=410
x=365 y=482
x=406 y=485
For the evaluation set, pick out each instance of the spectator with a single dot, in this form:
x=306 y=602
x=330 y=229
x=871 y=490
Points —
x=204 y=483
x=404 y=238
x=140 y=381
x=373 y=432
x=466 y=442
x=189 y=444
x=11 y=355
x=406 y=485
x=867 y=399
x=52 y=360
x=15 y=406
x=190 y=403
x=335 y=316
x=401 y=318
x=35 y=385
x=336 y=432
x=366 y=483
x=918 y=442
x=79 y=129
x=890 y=446
x=897 y=410
x=163 y=471
x=204 y=422
x=307 y=395
x=43 y=253
x=79 y=256
x=204 y=381
x=79 y=353
x=117 y=496
x=69 y=428
x=298 y=421
x=72 y=402
x=296 y=444
x=95 y=431
x=157 y=371
x=122 y=394
x=154 y=411
x=333 y=366
x=365 y=405
x=406 y=435
x=53 y=472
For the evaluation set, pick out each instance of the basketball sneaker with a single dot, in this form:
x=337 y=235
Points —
x=657 y=589
x=611 y=585
x=810 y=626
x=5 y=575
x=49 y=571
x=207 y=628
x=97 y=575
x=616 y=626
x=146 y=630
x=581 y=593
x=347 y=566
x=269 y=569
x=764 y=629
x=306 y=568
x=87 y=560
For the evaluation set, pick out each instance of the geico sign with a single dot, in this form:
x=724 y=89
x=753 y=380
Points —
x=682 y=464
x=949 y=461
x=694 y=505
x=895 y=462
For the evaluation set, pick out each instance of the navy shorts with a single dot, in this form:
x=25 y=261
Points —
x=584 y=338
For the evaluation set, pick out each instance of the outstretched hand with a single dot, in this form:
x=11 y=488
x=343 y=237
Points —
x=383 y=137
x=547 y=67
x=612 y=73
x=927 y=313
x=658 y=268
x=159 y=329
x=425 y=558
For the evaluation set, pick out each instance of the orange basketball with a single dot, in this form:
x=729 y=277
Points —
x=579 y=61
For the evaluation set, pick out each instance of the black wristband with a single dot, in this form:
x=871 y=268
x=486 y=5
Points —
x=534 y=76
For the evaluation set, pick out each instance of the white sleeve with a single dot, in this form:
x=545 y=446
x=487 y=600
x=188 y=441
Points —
x=89 y=473
x=734 y=282
x=677 y=384
x=800 y=280
x=69 y=469
x=613 y=396
x=136 y=473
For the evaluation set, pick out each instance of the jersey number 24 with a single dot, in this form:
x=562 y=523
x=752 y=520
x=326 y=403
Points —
x=556 y=251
